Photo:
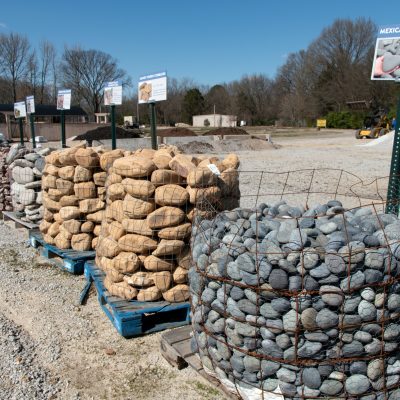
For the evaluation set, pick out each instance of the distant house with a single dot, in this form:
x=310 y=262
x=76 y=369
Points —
x=214 y=121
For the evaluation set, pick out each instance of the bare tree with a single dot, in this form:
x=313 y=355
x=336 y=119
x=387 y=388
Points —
x=86 y=73
x=47 y=69
x=14 y=59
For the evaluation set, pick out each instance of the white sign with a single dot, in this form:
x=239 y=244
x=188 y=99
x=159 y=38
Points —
x=152 y=88
x=30 y=105
x=19 y=110
x=386 y=65
x=64 y=99
x=113 y=93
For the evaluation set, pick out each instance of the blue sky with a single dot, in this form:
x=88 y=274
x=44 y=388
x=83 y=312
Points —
x=208 y=41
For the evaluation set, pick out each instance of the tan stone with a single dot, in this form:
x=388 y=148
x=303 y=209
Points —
x=70 y=212
x=82 y=242
x=112 y=274
x=162 y=160
x=171 y=195
x=115 y=230
x=142 y=189
x=44 y=226
x=89 y=206
x=82 y=174
x=48 y=239
x=97 y=216
x=165 y=216
x=54 y=229
x=115 y=211
x=203 y=214
x=95 y=241
x=71 y=200
x=229 y=182
x=51 y=170
x=104 y=263
x=177 y=294
x=107 y=247
x=136 y=208
x=210 y=195
x=49 y=181
x=97 y=230
x=146 y=153
x=168 y=247
x=201 y=177
x=65 y=187
x=62 y=242
x=162 y=280
x=54 y=158
x=67 y=235
x=184 y=259
x=57 y=218
x=87 y=157
x=54 y=194
x=51 y=204
x=140 y=279
x=67 y=173
x=141 y=258
x=87 y=227
x=116 y=191
x=120 y=289
x=208 y=160
x=137 y=243
x=72 y=226
x=231 y=161
x=138 y=226
x=180 y=275
x=165 y=177
x=134 y=167
x=176 y=232
x=99 y=178
x=155 y=264
x=182 y=165
x=149 y=294
x=48 y=215
x=107 y=159
x=85 y=190
x=67 y=156
x=113 y=178
x=101 y=193
x=126 y=263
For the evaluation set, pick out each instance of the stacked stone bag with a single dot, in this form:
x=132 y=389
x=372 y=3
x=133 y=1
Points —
x=25 y=173
x=74 y=197
x=151 y=198
x=304 y=307
x=5 y=194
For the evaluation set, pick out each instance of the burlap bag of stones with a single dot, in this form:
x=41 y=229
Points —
x=300 y=303
x=152 y=197
x=25 y=173
x=74 y=196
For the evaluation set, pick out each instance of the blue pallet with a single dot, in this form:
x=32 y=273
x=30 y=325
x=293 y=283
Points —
x=72 y=261
x=135 y=318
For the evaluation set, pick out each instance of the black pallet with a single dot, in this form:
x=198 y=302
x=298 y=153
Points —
x=135 y=318
x=72 y=261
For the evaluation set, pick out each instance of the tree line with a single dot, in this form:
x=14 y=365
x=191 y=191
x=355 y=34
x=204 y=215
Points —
x=317 y=82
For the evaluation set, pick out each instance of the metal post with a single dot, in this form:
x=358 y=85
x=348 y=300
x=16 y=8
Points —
x=21 y=131
x=63 y=141
x=113 y=133
x=393 y=195
x=153 y=126
x=31 y=119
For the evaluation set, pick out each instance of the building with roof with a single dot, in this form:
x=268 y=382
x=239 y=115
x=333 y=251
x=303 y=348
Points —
x=214 y=121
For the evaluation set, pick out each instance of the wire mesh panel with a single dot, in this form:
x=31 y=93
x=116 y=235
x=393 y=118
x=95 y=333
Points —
x=300 y=299
x=5 y=194
x=151 y=199
x=74 y=196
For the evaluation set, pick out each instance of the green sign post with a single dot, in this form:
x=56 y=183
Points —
x=32 y=122
x=113 y=97
x=63 y=103
x=113 y=131
x=153 y=125
x=30 y=109
x=63 y=140
x=21 y=131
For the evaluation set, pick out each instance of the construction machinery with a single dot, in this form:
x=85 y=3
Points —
x=375 y=124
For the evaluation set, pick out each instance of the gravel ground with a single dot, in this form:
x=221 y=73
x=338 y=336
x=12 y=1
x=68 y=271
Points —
x=54 y=349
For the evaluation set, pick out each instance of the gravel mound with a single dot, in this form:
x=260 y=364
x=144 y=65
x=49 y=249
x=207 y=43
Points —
x=226 y=131
x=196 y=147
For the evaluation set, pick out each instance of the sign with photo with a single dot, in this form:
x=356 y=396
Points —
x=30 y=105
x=19 y=109
x=152 y=88
x=386 y=64
x=64 y=99
x=113 y=93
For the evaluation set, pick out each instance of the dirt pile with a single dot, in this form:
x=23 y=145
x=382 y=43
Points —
x=226 y=131
x=175 y=132
x=104 y=133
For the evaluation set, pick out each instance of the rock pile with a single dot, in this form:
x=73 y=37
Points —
x=152 y=197
x=74 y=196
x=25 y=172
x=300 y=302
x=5 y=193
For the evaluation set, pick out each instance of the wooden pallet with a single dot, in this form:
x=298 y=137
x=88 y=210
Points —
x=175 y=348
x=69 y=260
x=134 y=318
x=18 y=223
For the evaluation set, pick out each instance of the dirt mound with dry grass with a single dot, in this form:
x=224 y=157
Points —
x=196 y=147
x=104 y=132
x=175 y=132
x=226 y=131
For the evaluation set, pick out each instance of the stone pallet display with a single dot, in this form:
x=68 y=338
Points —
x=5 y=191
x=74 y=196
x=151 y=198
x=299 y=307
x=25 y=172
